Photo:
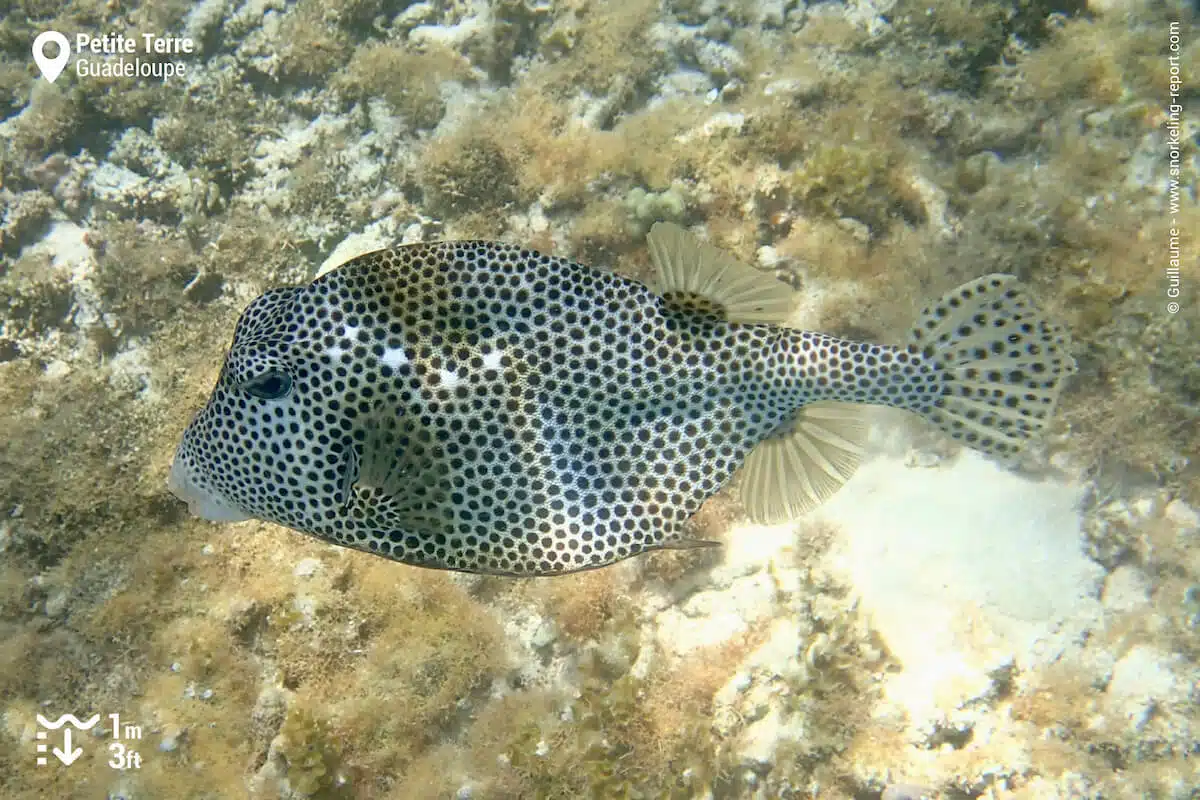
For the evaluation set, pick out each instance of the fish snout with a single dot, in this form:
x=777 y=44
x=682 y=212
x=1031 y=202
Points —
x=201 y=501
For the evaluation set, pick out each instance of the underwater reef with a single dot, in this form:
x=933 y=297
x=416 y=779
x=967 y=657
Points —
x=944 y=627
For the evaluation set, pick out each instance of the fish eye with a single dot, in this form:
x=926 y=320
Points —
x=269 y=386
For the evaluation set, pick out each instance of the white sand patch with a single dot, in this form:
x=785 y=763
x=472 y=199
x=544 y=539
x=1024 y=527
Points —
x=742 y=590
x=963 y=569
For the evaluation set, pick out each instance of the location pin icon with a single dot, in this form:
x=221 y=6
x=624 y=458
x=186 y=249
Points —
x=51 y=67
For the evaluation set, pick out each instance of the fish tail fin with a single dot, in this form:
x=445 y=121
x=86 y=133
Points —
x=1001 y=362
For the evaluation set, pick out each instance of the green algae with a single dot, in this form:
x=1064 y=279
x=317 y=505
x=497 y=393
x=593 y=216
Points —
x=312 y=754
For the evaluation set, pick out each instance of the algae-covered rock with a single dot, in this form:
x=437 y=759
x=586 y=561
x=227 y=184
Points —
x=312 y=755
x=950 y=626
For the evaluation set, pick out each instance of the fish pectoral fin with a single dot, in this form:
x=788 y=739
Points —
x=687 y=268
x=805 y=462
x=397 y=453
x=400 y=462
x=689 y=544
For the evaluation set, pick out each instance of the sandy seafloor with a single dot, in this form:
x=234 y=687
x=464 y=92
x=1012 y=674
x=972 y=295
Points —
x=945 y=626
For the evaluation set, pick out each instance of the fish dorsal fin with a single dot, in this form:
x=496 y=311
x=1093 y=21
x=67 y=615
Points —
x=805 y=462
x=696 y=275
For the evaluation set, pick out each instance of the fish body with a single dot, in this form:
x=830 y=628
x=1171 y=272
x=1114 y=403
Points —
x=481 y=407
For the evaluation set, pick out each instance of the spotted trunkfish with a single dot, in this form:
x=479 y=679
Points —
x=482 y=407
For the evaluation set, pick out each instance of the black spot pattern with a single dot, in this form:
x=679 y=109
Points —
x=544 y=417
x=1001 y=361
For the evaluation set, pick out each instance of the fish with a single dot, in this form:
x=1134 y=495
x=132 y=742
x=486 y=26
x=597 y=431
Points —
x=480 y=407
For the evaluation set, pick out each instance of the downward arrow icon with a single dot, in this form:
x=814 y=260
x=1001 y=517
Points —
x=67 y=755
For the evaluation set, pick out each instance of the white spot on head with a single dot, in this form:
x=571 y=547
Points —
x=335 y=352
x=449 y=378
x=350 y=332
x=492 y=360
x=393 y=357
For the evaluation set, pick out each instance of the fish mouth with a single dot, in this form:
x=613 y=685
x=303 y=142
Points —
x=201 y=502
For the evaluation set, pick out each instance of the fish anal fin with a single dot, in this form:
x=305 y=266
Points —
x=687 y=267
x=805 y=462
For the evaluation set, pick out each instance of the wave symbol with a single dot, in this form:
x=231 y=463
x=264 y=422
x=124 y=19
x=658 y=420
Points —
x=71 y=718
